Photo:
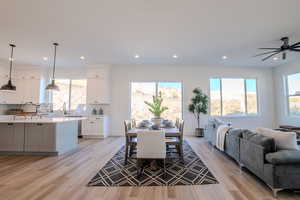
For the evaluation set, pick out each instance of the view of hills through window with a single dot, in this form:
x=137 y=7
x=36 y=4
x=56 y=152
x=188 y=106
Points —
x=229 y=97
x=144 y=91
x=71 y=92
x=293 y=82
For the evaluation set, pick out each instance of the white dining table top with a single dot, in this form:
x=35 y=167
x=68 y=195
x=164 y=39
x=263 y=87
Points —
x=168 y=131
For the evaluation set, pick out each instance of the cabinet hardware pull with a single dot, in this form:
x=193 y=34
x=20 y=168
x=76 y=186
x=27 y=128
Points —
x=10 y=124
x=39 y=124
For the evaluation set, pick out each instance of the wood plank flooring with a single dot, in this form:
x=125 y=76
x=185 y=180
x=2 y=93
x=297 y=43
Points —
x=65 y=177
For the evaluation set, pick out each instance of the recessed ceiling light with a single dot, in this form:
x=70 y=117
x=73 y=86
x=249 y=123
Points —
x=45 y=58
x=136 y=56
x=175 y=56
x=224 y=57
x=275 y=58
x=82 y=57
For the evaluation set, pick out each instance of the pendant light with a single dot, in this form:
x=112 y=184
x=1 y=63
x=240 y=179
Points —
x=52 y=85
x=9 y=86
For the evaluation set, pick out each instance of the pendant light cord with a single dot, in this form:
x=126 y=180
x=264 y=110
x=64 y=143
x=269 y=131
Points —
x=11 y=60
x=54 y=63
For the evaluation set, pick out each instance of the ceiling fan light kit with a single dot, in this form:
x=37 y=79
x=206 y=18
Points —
x=284 y=48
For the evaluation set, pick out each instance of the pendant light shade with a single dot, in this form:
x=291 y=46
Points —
x=9 y=86
x=52 y=86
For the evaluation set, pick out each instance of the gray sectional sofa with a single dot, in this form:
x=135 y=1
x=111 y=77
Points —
x=279 y=169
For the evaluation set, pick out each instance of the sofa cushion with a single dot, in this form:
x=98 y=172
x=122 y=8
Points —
x=283 y=140
x=284 y=157
x=236 y=132
x=247 y=134
x=267 y=142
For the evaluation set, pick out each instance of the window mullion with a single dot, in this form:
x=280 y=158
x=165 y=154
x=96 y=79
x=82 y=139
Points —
x=70 y=91
x=246 y=100
x=221 y=96
x=156 y=89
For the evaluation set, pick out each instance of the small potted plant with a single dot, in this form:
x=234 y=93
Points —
x=157 y=109
x=199 y=104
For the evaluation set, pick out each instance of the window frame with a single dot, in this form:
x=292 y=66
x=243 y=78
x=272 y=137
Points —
x=287 y=95
x=245 y=93
x=156 y=92
x=70 y=92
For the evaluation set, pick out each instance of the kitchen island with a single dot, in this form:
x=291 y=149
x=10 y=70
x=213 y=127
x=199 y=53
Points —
x=38 y=136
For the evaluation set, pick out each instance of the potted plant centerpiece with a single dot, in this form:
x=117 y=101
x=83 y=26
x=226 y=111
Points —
x=157 y=109
x=199 y=104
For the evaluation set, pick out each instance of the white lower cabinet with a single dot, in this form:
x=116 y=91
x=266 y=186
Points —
x=95 y=127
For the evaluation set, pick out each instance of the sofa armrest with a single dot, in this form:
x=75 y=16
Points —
x=284 y=157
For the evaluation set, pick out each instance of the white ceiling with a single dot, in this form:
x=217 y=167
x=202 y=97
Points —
x=112 y=31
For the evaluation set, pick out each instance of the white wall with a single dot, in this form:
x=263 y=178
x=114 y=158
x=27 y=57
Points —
x=279 y=74
x=191 y=77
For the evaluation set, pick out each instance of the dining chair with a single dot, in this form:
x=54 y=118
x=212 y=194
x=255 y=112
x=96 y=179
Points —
x=177 y=123
x=178 y=140
x=151 y=145
x=130 y=142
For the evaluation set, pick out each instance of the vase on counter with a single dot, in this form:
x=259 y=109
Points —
x=100 y=111
x=94 y=111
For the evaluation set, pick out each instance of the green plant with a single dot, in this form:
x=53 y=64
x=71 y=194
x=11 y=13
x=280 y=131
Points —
x=199 y=104
x=156 y=107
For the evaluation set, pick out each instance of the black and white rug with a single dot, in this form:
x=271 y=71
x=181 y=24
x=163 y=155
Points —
x=192 y=172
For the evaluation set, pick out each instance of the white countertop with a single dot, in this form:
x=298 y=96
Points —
x=41 y=120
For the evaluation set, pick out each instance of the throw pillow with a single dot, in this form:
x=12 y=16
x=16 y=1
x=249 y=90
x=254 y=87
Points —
x=283 y=140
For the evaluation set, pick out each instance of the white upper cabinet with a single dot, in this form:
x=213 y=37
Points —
x=28 y=89
x=98 y=86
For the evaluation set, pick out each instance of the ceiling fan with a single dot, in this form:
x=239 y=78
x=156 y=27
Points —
x=283 y=49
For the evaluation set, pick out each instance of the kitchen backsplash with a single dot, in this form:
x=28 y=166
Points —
x=88 y=110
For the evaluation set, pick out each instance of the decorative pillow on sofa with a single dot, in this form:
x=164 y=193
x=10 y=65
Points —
x=236 y=132
x=283 y=140
x=267 y=142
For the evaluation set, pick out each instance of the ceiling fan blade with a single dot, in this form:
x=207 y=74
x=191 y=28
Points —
x=265 y=53
x=296 y=44
x=270 y=48
x=283 y=55
x=270 y=56
x=298 y=50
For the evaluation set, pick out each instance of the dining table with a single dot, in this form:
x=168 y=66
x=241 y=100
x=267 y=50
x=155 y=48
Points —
x=169 y=132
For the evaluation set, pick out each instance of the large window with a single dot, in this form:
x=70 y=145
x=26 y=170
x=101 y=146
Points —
x=293 y=83
x=233 y=97
x=143 y=91
x=71 y=93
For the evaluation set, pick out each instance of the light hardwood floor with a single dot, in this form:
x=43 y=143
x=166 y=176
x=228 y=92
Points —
x=65 y=177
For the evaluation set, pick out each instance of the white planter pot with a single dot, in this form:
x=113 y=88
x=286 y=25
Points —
x=157 y=121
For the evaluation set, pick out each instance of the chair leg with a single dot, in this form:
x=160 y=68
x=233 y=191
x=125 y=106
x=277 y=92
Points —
x=130 y=151
x=126 y=155
x=181 y=152
x=139 y=168
x=165 y=171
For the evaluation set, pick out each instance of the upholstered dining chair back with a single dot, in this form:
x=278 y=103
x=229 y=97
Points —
x=181 y=127
x=151 y=144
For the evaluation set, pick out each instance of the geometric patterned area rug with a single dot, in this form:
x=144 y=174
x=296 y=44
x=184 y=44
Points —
x=191 y=172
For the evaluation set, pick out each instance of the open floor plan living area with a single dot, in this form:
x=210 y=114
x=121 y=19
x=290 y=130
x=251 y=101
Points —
x=149 y=100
